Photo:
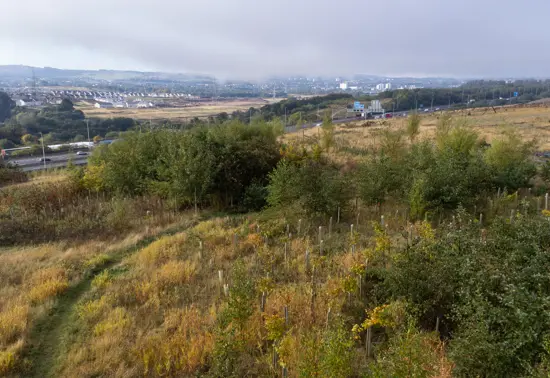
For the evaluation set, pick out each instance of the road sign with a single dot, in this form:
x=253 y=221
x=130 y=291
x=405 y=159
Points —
x=358 y=106
x=516 y=94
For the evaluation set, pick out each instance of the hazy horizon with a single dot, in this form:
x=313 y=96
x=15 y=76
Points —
x=243 y=39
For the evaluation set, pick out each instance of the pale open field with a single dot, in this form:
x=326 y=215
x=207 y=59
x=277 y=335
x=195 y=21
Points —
x=181 y=113
x=529 y=122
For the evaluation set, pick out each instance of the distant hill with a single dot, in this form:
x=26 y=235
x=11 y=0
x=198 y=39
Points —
x=19 y=72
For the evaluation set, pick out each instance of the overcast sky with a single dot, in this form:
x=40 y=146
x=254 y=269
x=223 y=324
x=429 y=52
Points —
x=253 y=39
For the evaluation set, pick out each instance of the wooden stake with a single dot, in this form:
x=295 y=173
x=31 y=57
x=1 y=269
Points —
x=437 y=325
x=338 y=219
x=321 y=248
x=368 y=342
x=286 y=316
x=320 y=233
x=299 y=226
x=330 y=226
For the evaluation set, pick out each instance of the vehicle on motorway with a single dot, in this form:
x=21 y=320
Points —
x=437 y=109
x=41 y=160
x=318 y=124
x=82 y=153
x=389 y=115
x=426 y=110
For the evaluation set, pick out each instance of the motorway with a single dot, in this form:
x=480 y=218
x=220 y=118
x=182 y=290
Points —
x=292 y=129
x=57 y=160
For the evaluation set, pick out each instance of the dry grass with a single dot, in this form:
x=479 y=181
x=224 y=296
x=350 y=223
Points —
x=177 y=113
x=32 y=277
x=156 y=314
x=531 y=123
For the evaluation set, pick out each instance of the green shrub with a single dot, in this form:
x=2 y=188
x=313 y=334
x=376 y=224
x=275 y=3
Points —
x=317 y=187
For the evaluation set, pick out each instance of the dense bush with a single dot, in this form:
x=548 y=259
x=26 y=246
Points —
x=210 y=165
x=458 y=169
x=491 y=293
x=317 y=188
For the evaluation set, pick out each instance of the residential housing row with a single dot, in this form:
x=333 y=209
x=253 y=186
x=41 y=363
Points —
x=124 y=104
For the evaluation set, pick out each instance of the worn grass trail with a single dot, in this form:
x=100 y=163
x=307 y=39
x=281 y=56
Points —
x=50 y=337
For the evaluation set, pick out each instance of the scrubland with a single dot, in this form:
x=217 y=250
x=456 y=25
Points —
x=222 y=252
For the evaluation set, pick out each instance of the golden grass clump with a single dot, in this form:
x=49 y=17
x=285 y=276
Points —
x=8 y=358
x=161 y=251
x=183 y=345
x=117 y=320
x=47 y=283
x=13 y=323
x=91 y=310
x=175 y=273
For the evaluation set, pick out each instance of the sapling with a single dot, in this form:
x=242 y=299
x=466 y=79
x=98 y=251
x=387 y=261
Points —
x=262 y=303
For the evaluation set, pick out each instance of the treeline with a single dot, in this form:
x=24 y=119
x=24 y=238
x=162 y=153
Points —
x=472 y=94
x=57 y=124
x=234 y=164
x=221 y=166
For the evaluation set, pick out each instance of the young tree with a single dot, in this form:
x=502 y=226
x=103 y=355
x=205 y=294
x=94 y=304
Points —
x=29 y=139
x=66 y=105
x=327 y=137
x=413 y=126
x=6 y=105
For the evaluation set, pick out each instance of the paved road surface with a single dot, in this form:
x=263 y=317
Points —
x=57 y=160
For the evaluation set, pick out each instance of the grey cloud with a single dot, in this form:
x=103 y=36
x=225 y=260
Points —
x=259 y=38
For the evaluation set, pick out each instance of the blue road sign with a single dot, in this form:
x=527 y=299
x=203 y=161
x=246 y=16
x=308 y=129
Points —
x=516 y=94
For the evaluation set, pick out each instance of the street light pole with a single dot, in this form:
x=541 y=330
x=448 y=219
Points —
x=88 y=128
x=43 y=150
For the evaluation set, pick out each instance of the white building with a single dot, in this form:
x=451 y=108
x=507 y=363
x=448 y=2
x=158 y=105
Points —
x=103 y=105
x=144 y=104
x=28 y=103
x=383 y=87
x=344 y=86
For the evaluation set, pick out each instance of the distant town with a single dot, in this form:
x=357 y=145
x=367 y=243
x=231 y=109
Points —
x=36 y=87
